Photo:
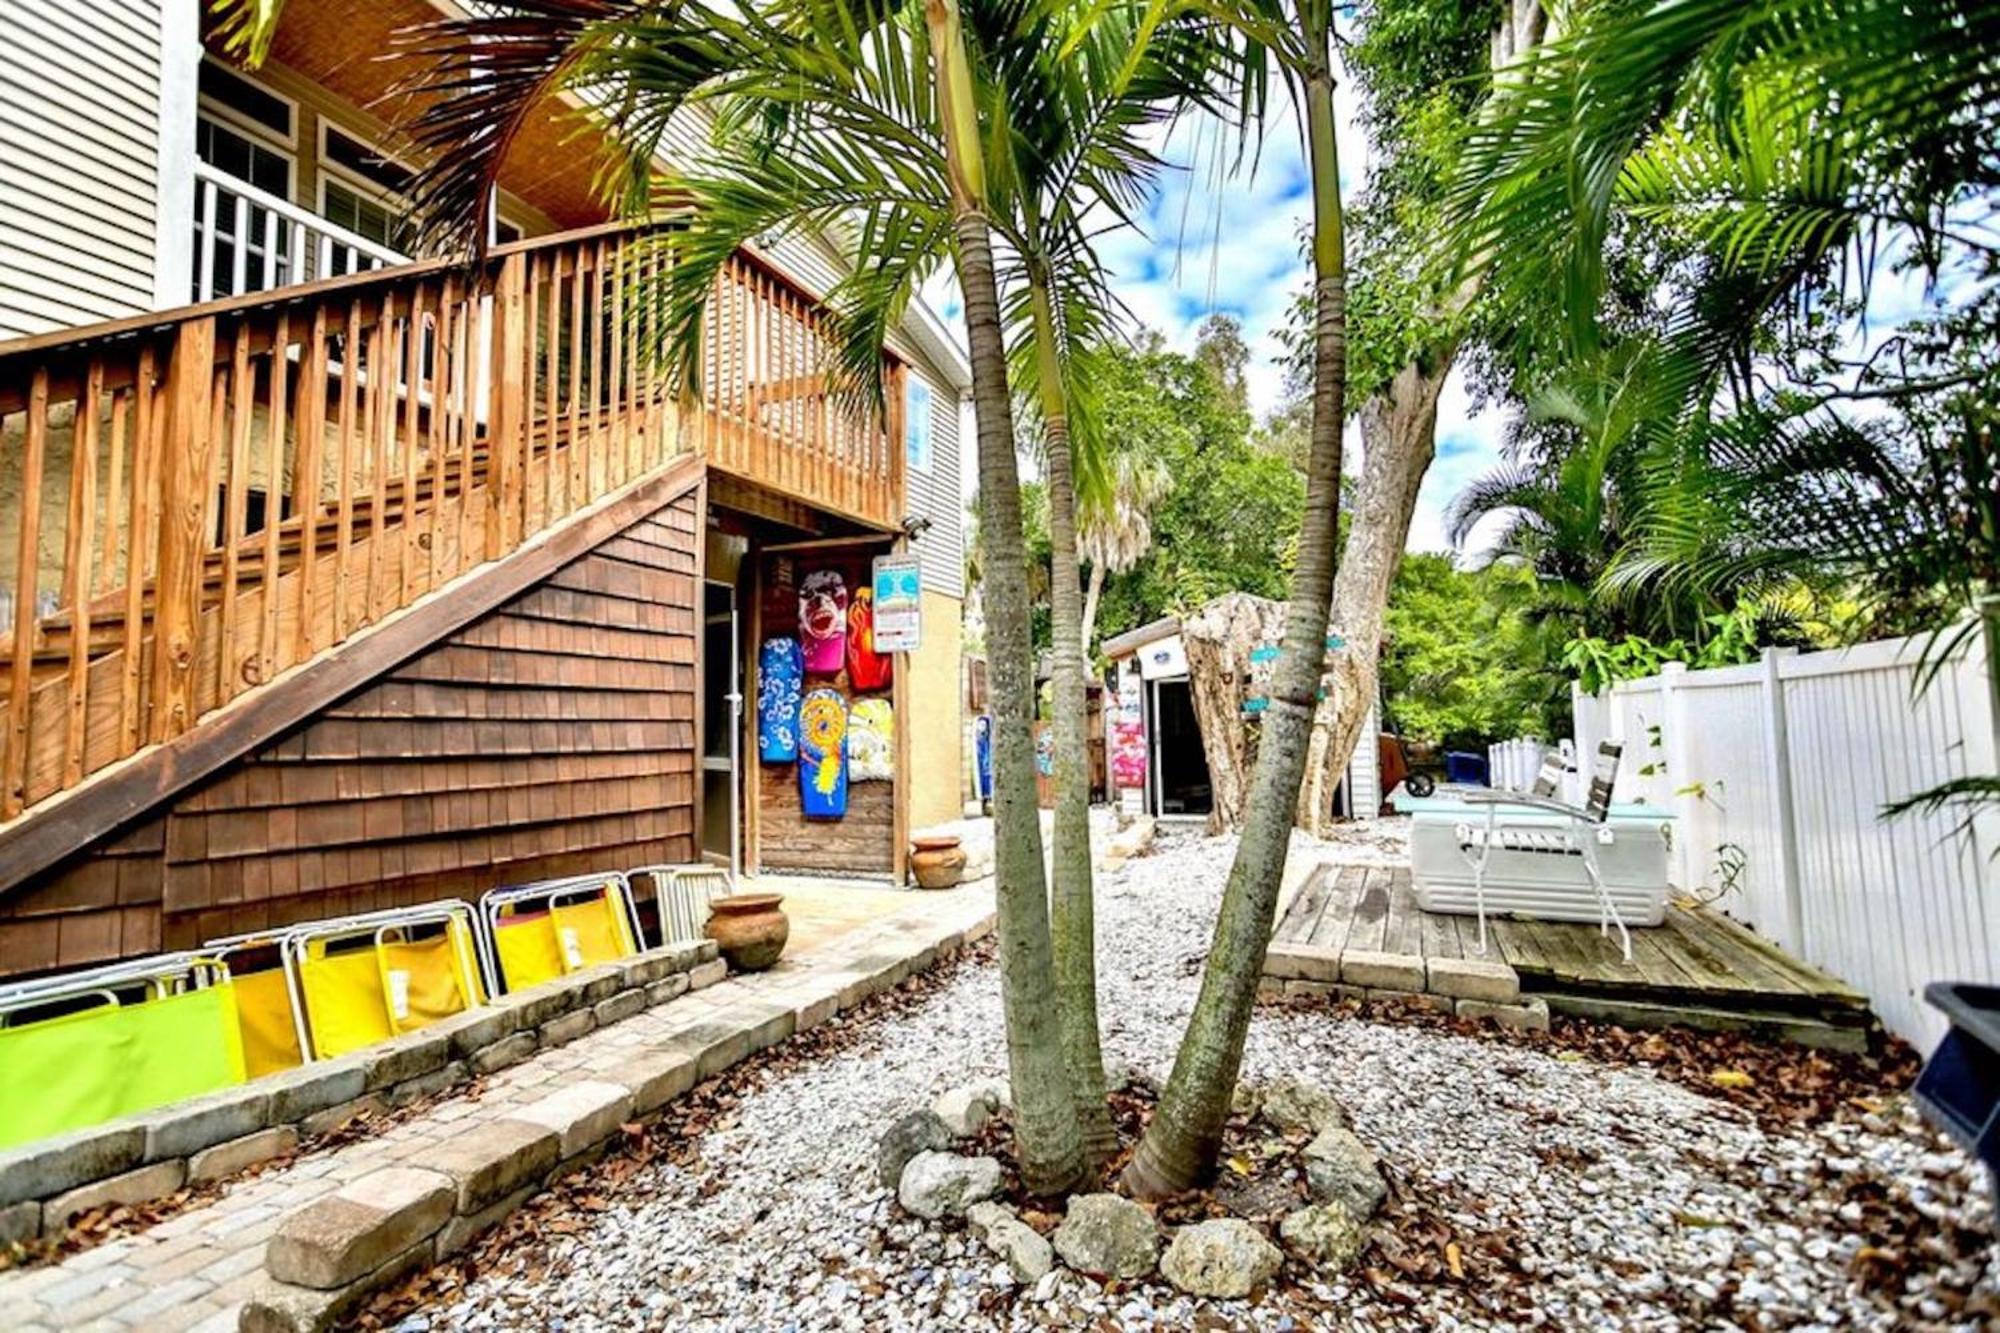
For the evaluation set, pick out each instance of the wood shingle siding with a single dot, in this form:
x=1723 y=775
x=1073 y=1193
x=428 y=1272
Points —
x=80 y=114
x=554 y=735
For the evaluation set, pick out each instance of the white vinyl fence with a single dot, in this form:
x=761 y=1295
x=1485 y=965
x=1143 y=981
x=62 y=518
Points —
x=1777 y=773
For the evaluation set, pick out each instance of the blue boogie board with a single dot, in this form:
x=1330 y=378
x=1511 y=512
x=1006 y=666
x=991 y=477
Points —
x=780 y=677
x=823 y=755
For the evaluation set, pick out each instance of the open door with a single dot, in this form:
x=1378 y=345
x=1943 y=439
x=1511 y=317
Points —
x=722 y=726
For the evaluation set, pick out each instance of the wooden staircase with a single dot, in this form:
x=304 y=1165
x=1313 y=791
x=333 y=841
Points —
x=211 y=498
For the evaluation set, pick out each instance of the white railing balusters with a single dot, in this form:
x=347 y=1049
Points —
x=311 y=236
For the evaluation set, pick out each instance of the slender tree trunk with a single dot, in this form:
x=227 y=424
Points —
x=1045 y=1126
x=1072 y=906
x=1398 y=440
x=1092 y=593
x=1182 y=1142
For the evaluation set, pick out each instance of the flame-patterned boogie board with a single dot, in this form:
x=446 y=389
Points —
x=780 y=678
x=866 y=668
x=823 y=621
x=823 y=755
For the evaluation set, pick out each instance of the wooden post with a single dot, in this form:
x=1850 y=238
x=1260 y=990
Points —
x=899 y=705
x=509 y=415
x=27 y=580
x=185 y=470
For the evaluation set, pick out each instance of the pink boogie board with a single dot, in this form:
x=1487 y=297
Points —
x=823 y=622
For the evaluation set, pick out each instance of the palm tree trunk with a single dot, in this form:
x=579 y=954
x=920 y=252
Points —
x=1045 y=1127
x=1093 y=593
x=1398 y=438
x=1181 y=1144
x=1072 y=902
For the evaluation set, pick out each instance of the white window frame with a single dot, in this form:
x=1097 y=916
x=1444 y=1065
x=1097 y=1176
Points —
x=329 y=170
x=229 y=117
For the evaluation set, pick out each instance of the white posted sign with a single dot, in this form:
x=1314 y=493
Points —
x=898 y=604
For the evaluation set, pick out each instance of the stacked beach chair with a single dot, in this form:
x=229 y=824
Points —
x=89 y=1046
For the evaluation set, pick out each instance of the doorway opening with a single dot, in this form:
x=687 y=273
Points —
x=721 y=725
x=1180 y=768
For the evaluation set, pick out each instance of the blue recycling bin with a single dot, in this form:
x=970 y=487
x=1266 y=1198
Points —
x=1959 y=1089
x=1462 y=766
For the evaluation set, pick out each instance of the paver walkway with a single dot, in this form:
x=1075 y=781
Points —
x=196 y=1270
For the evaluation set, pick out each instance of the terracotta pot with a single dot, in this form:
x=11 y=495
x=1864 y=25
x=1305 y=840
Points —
x=936 y=862
x=749 y=928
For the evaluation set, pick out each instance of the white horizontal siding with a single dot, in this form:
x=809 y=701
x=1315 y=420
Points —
x=79 y=154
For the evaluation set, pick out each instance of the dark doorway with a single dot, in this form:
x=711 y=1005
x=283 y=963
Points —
x=1180 y=769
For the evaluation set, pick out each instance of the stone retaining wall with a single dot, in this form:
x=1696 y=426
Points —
x=327 y=1257
x=154 y=1153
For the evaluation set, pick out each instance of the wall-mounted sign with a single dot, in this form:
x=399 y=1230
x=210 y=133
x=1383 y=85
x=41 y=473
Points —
x=898 y=604
x=1163 y=659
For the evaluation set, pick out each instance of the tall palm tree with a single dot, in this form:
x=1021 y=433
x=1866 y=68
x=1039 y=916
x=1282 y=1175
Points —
x=1182 y=1143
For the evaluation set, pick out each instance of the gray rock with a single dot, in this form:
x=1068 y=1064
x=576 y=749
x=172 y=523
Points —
x=1224 y=1256
x=1108 y=1236
x=1325 y=1234
x=942 y=1184
x=1293 y=1107
x=1341 y=1169
x=965 y=1111
x=919 y=1131
x=1027 y=1255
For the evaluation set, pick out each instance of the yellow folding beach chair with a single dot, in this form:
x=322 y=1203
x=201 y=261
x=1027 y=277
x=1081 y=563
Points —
x=364 y=979
x=268 y=1013
x=536 y=932
x=81 y=1049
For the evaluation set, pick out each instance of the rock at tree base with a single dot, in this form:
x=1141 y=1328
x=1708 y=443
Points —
x=1224 y=1256
x=919 y=1131
x=965 y=1111
x=1028 y=1256
x=942 y=1184
x=1325 y=1234
x=1341 y=1169
x=1293 y=1107
x=1108 y=1236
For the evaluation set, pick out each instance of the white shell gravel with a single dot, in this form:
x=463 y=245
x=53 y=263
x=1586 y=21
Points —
x=782 y=1226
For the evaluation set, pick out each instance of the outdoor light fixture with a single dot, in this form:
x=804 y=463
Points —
x=915 y=526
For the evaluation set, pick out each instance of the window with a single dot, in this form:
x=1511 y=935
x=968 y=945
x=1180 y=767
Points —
x=361 y=190
x=245 y=100
x=917 y=425
x=267 y=258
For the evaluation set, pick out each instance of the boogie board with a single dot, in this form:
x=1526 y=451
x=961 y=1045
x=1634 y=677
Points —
x=871 y=741
x=823 y=755
x=823 y=621
x=780 y=677
x=866 y=668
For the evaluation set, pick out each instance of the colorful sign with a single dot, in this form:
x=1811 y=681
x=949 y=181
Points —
x=1128 y=732
x=898 y=604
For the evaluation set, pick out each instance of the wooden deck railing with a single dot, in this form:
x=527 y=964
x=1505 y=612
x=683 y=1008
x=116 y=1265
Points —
x=204 y=498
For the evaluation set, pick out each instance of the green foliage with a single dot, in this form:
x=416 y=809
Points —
x=1733 y=639
x=1230 y=518
x=1461 y=667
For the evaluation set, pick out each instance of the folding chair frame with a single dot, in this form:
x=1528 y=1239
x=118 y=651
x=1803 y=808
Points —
x=296 y=942
x=162 y=975
x=1585 y=828
x=493 y=900
x=669 y=878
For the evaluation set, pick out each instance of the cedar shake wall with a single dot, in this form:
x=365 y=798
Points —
x=552 y=736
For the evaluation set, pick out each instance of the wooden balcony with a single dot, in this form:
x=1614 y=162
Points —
x=206 y=498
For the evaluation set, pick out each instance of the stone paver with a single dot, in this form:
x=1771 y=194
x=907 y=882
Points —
x=147 y=1280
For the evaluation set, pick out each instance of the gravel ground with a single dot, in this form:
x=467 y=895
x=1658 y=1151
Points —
x=1617 y=1199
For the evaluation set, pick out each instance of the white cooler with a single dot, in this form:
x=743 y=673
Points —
x=1540 y=886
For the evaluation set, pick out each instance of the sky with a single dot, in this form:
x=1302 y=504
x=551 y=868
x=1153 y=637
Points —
x=1215 y=240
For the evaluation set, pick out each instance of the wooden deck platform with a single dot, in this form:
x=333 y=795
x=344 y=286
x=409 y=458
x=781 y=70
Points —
x=1698 y=968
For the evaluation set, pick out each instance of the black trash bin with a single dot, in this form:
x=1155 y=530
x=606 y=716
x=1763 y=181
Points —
x=1960 y=1086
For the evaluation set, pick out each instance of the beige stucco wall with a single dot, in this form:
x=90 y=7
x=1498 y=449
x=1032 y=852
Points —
x=936 y=703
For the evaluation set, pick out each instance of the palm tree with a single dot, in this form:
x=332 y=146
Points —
x=1182 y=1143
x=1116 y=531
